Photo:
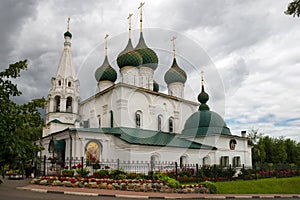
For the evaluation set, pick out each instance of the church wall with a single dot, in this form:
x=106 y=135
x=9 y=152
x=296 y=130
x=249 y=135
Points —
x=241 y=148
x=126 y=101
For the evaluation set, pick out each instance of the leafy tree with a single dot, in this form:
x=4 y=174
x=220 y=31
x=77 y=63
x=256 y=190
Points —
x=293 y=8
x=20 y=125
x=257 y=153
x=279 y=150
x=293 y=151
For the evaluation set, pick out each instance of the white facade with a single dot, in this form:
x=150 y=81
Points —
x=118 y=118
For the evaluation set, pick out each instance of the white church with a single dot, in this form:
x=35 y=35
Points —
x=131 y=120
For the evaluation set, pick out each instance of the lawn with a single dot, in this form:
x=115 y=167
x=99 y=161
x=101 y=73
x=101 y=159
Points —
x=261 y=186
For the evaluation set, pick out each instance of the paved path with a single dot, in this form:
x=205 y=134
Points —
x=24 y=185
x=145 y=195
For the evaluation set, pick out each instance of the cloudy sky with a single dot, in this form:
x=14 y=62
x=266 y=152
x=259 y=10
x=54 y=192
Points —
x=249 y=51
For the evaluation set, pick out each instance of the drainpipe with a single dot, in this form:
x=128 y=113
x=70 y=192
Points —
x=71 y=148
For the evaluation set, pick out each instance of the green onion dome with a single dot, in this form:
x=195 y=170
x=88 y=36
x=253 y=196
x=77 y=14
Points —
x=203 y=98
x=68 y=34
x=175 y=74
x=149 y=56
x=105 y=72
x=129 y=57
x=155 y=86
x=204 y=121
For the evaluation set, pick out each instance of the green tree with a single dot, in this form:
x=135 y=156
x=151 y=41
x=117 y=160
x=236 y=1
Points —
x=20 y=125
x=257 y=152
x=279 y=150
x=293 y=8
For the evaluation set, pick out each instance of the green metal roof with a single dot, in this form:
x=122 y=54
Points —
x=149 y=56
x=56 y=145
x=106 y=72
x=58 y=122
x=148 y=137
x=205 y=122
x=175 y=74
x=68 y=34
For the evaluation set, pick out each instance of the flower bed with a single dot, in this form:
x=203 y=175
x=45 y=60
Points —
x=139 y=185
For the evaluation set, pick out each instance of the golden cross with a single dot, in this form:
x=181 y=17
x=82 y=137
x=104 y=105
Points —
x=173 y=41
x=129 y=21
x=68 y=24
x=106 y=39
x=141 y=14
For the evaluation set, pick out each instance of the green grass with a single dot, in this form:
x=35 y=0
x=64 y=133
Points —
x=260 y=186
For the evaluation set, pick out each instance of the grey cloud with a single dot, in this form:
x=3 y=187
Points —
x=13 y=14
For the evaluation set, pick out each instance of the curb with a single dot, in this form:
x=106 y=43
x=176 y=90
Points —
x=267 y=196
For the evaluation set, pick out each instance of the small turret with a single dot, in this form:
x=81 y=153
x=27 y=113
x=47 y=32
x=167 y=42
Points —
x=175 y=77
x=105 y=75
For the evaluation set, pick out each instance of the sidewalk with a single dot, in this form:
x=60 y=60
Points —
x=145 y=195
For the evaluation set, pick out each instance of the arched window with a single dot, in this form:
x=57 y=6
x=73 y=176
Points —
x=99 y=121
x=206 y=161
x=183 y=161
x=111 y=119
x=138 y=119
x=153 y=161
x=59 y=83
x=69 y=104
x=92 y=152
x=171 y=124
x=159 y=122
x=57 y=104
x=69 y=84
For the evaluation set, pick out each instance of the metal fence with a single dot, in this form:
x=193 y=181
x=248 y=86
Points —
x=46 y=166
x=183 y=173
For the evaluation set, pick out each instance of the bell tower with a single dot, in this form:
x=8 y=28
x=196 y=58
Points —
x=64 y=96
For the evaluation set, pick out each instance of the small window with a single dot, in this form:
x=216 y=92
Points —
x=57 y=104
x=205 y=161
x=69 y=84
x=111 y=119
x=99 y=121
x=59 y=83
x=183 y=161
x=236 y=161
x=159 y=122
x=171 y=124
x=69 y=105
x=138 y=119
x=224 y=161
x=86 y=124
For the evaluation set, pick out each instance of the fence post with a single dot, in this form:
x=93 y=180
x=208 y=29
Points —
x=44 y=170
x=243 y=171
x=255 y=171
x=230 y=171
x=176 y=172
x=118 y=164
x=197 y=171
x=82 y=163
x=215 y=172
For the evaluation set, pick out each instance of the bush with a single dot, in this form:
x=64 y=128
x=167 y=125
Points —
x=68 y=172
x=211 y=186
x=102 y=173
x=82 y=172
x=173 y=183
x=118 y=174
